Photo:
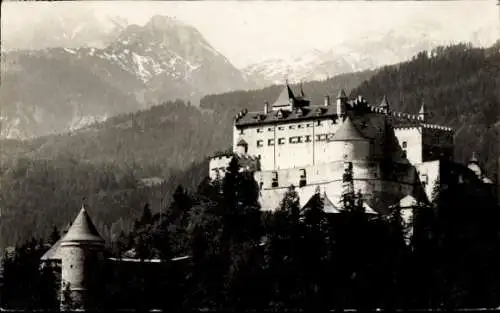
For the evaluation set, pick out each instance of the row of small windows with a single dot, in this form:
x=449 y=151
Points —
x=295 y=139
x=261 y=130
x=302 y=179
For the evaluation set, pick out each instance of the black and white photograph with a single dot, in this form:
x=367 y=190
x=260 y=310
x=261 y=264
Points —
x=250 y=156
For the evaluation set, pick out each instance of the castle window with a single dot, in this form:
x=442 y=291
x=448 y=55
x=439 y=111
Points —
x=280 y=128
x=318 y=123
x=299 y=139
x=294 y=139
x=270 y=129
x=260 y=143
x=300 y=126
x=308 y=138
x=270 y=142
x=291 y=127
x=281 y=141
x=260 y=130
x=302 y=178
x=404 y=153
x=275 y=179
x=260 y=185
x=404 y=144
x=241 y=131
x=309 y=125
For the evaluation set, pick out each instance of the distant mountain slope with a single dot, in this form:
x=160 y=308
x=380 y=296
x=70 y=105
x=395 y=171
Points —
x=58 y=89
x=460 y=87
x=374 y=50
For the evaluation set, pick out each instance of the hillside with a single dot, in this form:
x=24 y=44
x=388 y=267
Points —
x=103 y=163
x=59 y=89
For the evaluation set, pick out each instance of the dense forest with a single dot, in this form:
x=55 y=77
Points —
x=45 y=180
x=243 y=259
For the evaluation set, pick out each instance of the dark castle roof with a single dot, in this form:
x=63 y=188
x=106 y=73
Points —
x=82 y=230
x=348 y=132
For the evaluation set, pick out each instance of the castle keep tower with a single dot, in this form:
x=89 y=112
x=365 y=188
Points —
x=81 y=252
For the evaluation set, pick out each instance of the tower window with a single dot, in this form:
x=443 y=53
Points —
x=281 y=141
x=270 y=142
x=308 y=138
x=275 y=180
x=260 y=143
x=405 y=144
x=404 y=153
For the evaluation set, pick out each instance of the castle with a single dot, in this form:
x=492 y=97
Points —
x=396 y=157
x=397 y=160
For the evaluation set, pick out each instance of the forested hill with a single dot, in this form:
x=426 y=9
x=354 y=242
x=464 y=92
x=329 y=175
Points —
x=44 y=181
x=460 y=87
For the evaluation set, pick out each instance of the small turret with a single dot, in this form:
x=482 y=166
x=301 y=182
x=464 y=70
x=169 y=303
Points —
x=421 y=113
x=341 y=103
x=242 y=147
x=384 y=104
x=326 y=101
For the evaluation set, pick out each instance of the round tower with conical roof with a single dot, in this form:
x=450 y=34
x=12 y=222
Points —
x=350 y=143
x=82 y=253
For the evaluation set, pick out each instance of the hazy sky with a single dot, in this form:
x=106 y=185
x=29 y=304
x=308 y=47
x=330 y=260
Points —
x=253 y=31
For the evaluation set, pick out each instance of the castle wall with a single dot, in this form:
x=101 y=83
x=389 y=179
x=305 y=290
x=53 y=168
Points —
x=79 y=263
x=289 y=145
x=410 y=141
x=436 y=143
x=428 y=174
x=379 y=185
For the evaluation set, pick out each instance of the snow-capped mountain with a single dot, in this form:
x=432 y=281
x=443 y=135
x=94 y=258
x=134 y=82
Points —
x=368 y=52
x=60 y=89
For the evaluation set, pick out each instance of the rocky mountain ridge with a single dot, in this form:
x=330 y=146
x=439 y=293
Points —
x=66 y=88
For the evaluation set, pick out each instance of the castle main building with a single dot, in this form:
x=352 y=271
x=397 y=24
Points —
x=393 y=155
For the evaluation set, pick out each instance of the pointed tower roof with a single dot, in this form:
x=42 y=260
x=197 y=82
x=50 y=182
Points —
x=347 y=132
x=422 y=109
x=341 y=94
x=285 y=96
x=82 y=229
x=384 y=103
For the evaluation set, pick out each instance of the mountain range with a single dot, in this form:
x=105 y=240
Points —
x=73 y=70
x=59 y=89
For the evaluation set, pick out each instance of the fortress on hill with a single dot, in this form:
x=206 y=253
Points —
x=396 y=158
